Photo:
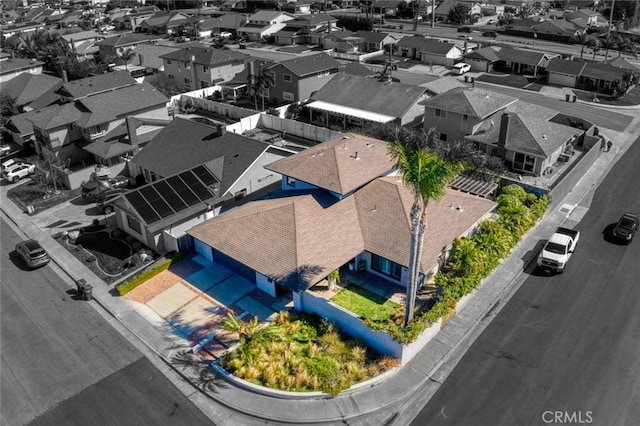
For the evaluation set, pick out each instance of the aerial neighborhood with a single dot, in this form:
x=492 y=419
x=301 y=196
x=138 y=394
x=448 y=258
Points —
x=307 y=197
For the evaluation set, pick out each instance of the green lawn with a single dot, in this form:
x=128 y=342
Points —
x=365 y=304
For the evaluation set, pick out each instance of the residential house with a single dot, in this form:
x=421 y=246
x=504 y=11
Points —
x=441 y=85
x=522 y=61
x=25 y=27
x=229 y=22
x=125 y=140
x=113 y=47
x=564 y=73
x=234 y=6
x=296 y=79
x=348 y=100
x=337 y=213
x=526 y=138
x=230 y=165
x=134 y=18
x=20 y=129
x=586 y=18
x=460 y=111
x=13 y=67
x=440 y=53
x=71 y=19
x=558 y=29
x=32 y=91
x=89 y=86
x=602 y=76
x=492 y=8
x=297 y=7
x=306 y=29
x=443 y=9
x=149 y=56
x=409 y=47
x=164 y=23
x=62 y=130
x=374 y=41
x=264 y=23
x=529 y=138
x=383 y=7
x=483 y=60
x=83 y=43
x=200 y=66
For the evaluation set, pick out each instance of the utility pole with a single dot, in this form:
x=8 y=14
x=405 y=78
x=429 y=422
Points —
x=433 y=13
x=606 y=52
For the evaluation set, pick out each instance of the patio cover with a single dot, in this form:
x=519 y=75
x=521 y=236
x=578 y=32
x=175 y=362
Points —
x=353 y=112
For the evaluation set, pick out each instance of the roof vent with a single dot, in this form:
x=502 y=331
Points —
x=544 y=136
x=460 y=209
x=356 y=156
x=369 y=144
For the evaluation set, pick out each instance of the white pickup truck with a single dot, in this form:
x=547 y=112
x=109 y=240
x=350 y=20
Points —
x=556 y=252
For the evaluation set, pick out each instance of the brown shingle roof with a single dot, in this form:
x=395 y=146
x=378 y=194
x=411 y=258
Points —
x=300 y=239
x=333 y=165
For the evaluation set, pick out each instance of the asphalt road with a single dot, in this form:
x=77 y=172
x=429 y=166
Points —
x=567 y=344
x=63 y=364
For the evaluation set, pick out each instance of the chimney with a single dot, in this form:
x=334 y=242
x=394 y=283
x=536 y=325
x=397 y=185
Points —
x=505 y=122
x=221 y=129
x=131 y=129
x=64 y=76
x=140 y=59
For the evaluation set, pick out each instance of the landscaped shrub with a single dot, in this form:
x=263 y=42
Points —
x=127 y=286
x=473 y=259
x=296 y=355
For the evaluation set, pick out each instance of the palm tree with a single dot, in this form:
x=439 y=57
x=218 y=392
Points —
x=428 y=176
x=126 y=55
x=260 y=82
x=581 y=39
x=594 y=43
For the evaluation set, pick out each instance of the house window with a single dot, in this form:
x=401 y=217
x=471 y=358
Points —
x=524 y=162
x=291 y=181
x=443 y=137
x=205 y=68
x=169 y=61
x=187 y=81
x=286 y=77
x=134 y=224
x=386 y=267
x=170 y=76
x=287 y=96
x=440 y=113
x=204 y=84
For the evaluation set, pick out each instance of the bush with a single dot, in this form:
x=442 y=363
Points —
x=127 y=286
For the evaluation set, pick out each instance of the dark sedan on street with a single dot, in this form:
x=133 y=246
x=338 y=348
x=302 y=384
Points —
x=626 y=227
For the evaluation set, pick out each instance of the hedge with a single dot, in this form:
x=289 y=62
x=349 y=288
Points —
x=170 y=260
x=518 y=211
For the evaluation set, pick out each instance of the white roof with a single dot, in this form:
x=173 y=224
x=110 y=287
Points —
x=353 y=112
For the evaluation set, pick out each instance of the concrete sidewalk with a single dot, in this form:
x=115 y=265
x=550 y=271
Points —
x=394 y=400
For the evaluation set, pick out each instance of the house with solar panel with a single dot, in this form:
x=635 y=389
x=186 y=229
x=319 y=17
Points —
x=194 y=171
x=341 y=206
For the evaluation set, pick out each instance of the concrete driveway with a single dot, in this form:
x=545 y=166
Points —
x=195 y=297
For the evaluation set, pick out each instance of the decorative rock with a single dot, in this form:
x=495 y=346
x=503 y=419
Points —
x=73 y=235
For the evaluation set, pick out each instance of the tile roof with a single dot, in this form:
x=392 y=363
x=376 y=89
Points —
x=485 y=54
x=191 y=143
x=603 y=71
x=128 y=39
x=268 y=15
x=229 y=20
x=520 y=56
x=310 y=64
x=299 y=239
x=531 y=130
x=56 y=116
x=96 y=84
x=28 y=87
x=442 y=84
x=333 y=165
x=473 y=102
x=16 y=64
x=117 y=142
x=439 y=47
x=356 y=68
x=109 y=106
x=315 y=19
x=562 y=66
x=368 y=94
x=206 y=55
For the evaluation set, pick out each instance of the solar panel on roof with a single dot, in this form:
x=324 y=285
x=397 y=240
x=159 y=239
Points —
x=157 y=202
x=135 y=199
x=205 y=176
x=170 y=196
x=147 y=214
x=183 y=190
x=195 y=185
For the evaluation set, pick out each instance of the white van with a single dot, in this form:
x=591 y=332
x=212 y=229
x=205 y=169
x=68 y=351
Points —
x=461 y=68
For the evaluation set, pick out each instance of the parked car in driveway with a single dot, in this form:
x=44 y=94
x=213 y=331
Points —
x=32 y=253
x=93 y=188
x=464 y=29
x=626 y=227
x=18 y=171
x=6 y=165
x=461 y=68
x=4 y=150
